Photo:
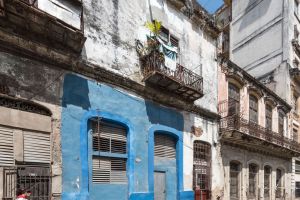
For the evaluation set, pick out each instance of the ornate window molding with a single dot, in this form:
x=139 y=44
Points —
x=23 y=105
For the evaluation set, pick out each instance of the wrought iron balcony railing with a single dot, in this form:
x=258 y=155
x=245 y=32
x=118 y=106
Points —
x=182 y=81
x=233 y=121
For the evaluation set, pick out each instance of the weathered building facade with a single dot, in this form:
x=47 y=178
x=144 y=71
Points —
x=88 y=115
x=256 y=147
x=262 y=38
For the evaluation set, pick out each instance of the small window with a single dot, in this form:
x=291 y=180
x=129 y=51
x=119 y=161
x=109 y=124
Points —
x=296 y=7
x=297 y=190
x=253 y=176
x=110 y=140
x=295 y=134
x=281 y=122
x=267 y=181
x=253 y=109
x=296 y=32
x=268 y=117
x=297 y=167
x=235 y=169
x=164 y=146
x=233 y=99
x=279 y=193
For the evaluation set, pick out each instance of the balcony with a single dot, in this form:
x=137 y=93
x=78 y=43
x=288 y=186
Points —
x=21 y=19
x=181 y=81
x=238 y=131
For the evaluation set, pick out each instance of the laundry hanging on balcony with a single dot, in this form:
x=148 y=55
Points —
x=170 y=53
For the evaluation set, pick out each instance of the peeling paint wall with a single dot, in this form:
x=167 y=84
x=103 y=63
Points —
x=112 y=28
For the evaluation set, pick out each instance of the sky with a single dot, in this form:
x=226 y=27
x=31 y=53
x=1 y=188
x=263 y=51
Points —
x=211 y=5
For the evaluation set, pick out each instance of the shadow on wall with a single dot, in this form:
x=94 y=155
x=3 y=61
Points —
x=78 y=95
x=260 y=11
x=164 y=116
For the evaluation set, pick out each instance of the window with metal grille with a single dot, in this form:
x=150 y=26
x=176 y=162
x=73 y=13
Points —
x=235 y=169
x=234 y=99
x=164 y=146
x=281 y=122
x=268 y=117
x=253 y=170
x=201 y=165
x=267 y=181
x=109 y=157
x=36 y=179
x=253 y=109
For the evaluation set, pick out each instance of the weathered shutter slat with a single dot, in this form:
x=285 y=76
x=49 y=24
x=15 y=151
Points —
x=164 y=146
x=36 y=147
x=6 y=146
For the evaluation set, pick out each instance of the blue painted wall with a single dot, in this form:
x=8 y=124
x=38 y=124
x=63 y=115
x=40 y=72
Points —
x=84 y=99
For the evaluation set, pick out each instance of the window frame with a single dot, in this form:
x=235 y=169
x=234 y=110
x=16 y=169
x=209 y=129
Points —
x=267 y=176
x=168 y=38
x=268 y=117
x=254 y=174
x=234 y=99
x=120 y=159
x=281 y=121
x=237 y=173
x=253 y=109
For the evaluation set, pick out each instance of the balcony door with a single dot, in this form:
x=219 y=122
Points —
x=233 y=99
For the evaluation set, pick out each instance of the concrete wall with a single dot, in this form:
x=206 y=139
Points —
x=261 y=34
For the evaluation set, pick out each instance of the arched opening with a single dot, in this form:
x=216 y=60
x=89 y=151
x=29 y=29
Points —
x=267 y=182
x=253 y=181
x=279 y=190
x=235 y=180
x=202 y=169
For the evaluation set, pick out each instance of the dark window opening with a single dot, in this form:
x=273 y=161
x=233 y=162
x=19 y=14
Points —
x=253 y=176
x=233 y=99
x=253 y=109
x=267 y=181
x=268 y=117
x=281 y=122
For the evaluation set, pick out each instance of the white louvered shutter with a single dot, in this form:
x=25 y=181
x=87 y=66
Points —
x=109 y=138
x=164 y=146
x=36 y=147
x=109 y=170
x=6 y=146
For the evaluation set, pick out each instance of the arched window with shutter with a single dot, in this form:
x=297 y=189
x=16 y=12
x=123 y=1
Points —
x=109 y=157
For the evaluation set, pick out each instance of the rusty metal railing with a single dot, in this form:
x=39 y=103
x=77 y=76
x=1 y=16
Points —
x=238 y=123
x=154 y=62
